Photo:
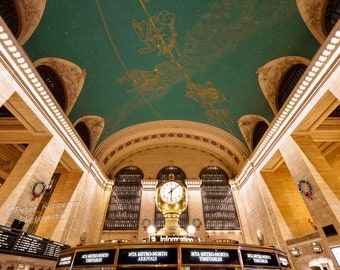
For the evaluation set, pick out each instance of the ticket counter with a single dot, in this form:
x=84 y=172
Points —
x=185 y=256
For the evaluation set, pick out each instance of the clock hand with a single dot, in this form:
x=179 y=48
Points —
x=171 y=190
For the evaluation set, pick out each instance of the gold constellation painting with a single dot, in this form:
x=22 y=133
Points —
x=159 y=36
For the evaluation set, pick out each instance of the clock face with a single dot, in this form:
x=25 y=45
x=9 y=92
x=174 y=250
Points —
x=171 y=192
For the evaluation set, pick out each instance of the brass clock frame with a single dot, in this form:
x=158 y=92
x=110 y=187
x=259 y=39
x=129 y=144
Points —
x=172 y=211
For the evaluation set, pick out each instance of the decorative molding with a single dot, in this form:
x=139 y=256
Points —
x=14 y=58
x=312 y=83
x=312 y=13
x=149 y=183
x=30 y=13
x=71 y=76
x=247 y=124
x=270 y=75
x=172 y=133
x=193 y=184
x=95 y=125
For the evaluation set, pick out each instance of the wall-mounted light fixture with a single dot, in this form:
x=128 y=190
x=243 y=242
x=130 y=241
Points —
x=191 y=230
x=295 y=252
x=151 y=232
x=260 y=237
x=316 y=247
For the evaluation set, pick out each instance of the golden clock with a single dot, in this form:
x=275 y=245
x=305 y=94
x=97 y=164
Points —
x=171 y=196
x=171 y=200
x=171 y=192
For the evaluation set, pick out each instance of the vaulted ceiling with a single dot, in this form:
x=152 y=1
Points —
x=171 y=60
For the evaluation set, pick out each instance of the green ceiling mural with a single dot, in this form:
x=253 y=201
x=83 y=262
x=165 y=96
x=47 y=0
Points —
x=151 y=60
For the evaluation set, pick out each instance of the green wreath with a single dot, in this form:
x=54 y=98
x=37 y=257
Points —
x=307 y=193
x=197 y=222
x=38 y=194
x=146 y=222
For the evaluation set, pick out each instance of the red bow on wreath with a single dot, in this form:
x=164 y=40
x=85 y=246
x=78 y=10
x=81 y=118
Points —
x=36 y=194
x=306 y=189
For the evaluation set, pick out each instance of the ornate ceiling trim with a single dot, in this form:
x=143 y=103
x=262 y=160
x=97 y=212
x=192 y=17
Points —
x=247 y=125
x=71 y=75
x=171 y=133
x=314 y=83
x=33 y=89
x=271 y=74
x=312 y=13
x=30 y=13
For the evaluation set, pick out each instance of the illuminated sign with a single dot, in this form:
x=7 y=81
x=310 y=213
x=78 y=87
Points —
x=209 y=256
x=65 y=260
x=95 y=257
x=148 y=256
x=259 y=258
x=173 y=239
x=284 y=261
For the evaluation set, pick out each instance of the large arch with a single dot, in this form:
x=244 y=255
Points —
x=171 y=138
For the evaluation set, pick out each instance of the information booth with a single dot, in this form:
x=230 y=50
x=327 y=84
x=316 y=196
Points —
x=174 y=256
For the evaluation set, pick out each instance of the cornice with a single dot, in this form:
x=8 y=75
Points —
x=172 y=133
x=35 y=90
x=324 y=63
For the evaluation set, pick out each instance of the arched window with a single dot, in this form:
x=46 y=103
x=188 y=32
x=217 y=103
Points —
x=9 y=14
x=218 y=203
x=162 y=176
x=259 y=130
x=54 y=84
x=84 y=133
x=332 y=15
x=289 y=80
x=124 y=205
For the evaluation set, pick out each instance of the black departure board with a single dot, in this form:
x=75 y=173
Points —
x=7 y=238
x=18 y=242
x=53 y=249
x=30 y=244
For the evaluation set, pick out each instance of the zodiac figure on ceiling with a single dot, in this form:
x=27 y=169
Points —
x=219 y=116
x=158 y=32
x=159 y=78
x=206 y=95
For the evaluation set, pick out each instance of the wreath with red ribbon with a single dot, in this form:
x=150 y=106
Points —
x=34 y=189
x=197 y=223
x=306 y=189
x=146 y=223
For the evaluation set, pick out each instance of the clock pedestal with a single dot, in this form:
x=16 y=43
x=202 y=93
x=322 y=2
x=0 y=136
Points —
x=172 y=227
